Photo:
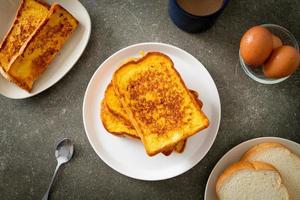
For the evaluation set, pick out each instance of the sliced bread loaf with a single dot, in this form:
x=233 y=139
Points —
x=251 y=181
x=286 y=162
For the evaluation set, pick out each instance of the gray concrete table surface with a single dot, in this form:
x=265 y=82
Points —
x=30 y=128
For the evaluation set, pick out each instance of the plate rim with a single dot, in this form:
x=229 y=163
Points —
x=93 y=145
x=239 y=146
x=74 y=61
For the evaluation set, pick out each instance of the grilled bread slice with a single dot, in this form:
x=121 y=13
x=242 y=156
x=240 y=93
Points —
x=118 y=126
x=42 y=47
x=286 y=162
x=159 y=106
x=115 y=124
x=29 y=15
x=116 y=121
x=121 y=120
x=115 y=106
x=251 y=181
x=113 y=102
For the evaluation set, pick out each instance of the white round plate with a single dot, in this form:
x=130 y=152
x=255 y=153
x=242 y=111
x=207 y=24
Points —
x=63 y=61
x=127 y=156
x=235 y=155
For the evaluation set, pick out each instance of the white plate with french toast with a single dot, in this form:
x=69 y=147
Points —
x=157 y=160
x=36 y=58
x=279 y=155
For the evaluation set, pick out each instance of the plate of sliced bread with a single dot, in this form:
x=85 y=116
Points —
x=40 y=41
x=151 y=111
x=265 y=168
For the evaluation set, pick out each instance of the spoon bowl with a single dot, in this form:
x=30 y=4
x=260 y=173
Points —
x=64 y=150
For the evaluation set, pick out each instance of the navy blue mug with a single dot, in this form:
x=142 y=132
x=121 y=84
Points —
x=192 y=23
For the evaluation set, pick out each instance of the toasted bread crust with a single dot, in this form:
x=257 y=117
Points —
x=132 y=115
x=180 y=146
x=241 y=165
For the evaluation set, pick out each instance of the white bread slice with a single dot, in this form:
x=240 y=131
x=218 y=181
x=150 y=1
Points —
x=286 y=162
x=251 y=181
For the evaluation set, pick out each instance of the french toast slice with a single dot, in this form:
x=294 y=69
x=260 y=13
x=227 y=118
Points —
x=157 y=102
x=37 y=53
x=113 y=102
x=114 y=105
x=117 y=122
x=114 y=124
x=120 y=124
x=120 y=127
x=29 y=16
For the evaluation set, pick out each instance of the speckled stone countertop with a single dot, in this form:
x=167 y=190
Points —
x=30 y=128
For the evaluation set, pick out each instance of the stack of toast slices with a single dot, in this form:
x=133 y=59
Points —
x=147 y=99
x=37 y=34
x=268 y=171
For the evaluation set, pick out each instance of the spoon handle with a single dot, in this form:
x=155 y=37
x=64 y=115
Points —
x=45 y=197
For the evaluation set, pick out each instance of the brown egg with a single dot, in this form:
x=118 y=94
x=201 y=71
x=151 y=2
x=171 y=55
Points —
x=256 y=45
x=284 y=61
x=276 y=42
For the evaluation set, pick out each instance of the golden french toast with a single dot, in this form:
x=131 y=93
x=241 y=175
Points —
x=114 y=105
x=157 y=102
x=118 y=126
x=29 y=15
x=114 y=124
x=41 y=48
x=117 y=122
x=113 y=102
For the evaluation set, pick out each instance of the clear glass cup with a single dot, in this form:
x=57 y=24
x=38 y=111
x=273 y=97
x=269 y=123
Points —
x=257 y=74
